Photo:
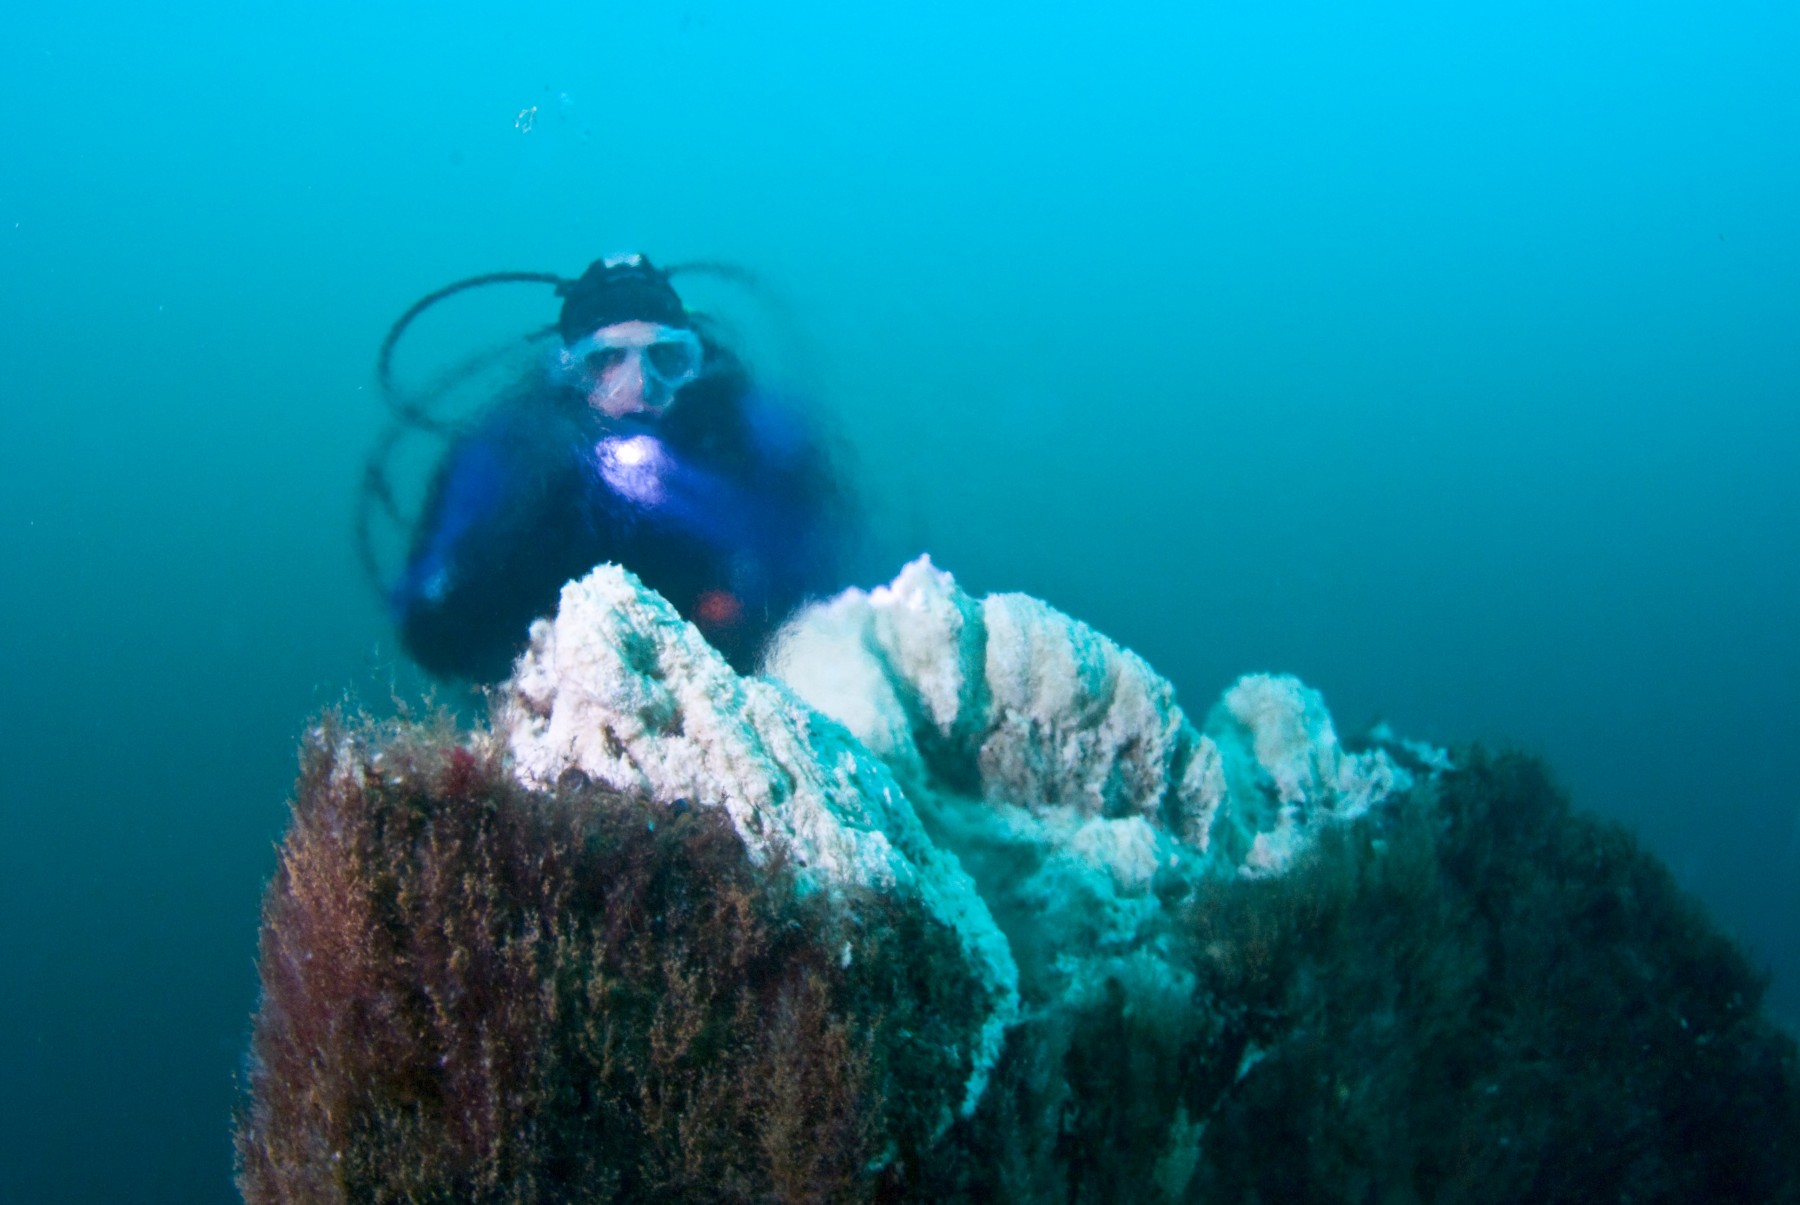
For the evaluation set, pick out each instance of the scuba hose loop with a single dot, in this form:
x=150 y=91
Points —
x=384 y=361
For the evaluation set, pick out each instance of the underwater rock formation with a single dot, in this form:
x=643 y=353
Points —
x=1060 y=771
x=473 y=993
x=996 y=738
x=956 y=904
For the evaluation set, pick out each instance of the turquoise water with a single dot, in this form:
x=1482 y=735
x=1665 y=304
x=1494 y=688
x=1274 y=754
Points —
x=1447 y=358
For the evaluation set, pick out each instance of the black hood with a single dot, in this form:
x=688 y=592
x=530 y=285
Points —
x=618 y=289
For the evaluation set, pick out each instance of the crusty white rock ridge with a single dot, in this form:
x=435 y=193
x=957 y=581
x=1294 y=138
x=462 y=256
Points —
x=991 y=756
x=621 y=688
x=1060 y=769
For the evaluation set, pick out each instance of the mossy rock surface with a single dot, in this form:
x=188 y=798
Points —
x=476 y=993
x=473 y=992
x=1474 y=995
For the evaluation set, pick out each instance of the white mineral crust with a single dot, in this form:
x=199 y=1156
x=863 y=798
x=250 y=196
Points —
x=993 y=756
x=1060 y=770
x=1038 y=710
x=621 y=688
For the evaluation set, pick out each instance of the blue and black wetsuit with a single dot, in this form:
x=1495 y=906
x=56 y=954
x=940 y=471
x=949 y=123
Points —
x=726 y=505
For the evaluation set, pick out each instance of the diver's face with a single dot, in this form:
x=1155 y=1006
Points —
x=633 y=369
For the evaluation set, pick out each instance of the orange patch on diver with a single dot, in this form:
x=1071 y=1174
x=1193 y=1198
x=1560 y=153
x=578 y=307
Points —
x=718 y=609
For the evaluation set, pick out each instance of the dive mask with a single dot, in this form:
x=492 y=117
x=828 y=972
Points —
x=668 y=357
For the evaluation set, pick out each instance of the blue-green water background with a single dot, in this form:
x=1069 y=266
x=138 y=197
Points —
x=1445 y=355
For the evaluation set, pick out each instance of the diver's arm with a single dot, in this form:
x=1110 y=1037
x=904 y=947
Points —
x=459 y=516
x=500 y=533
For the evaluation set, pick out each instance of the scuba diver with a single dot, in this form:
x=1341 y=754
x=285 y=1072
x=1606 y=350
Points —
x=639 y=439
